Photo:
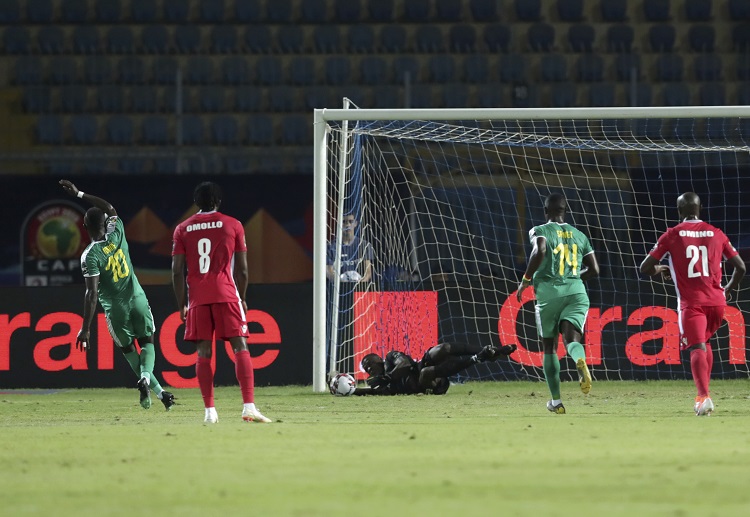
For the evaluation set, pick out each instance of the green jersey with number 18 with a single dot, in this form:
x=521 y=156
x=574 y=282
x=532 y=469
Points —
x=560 y=272
x=109 y=259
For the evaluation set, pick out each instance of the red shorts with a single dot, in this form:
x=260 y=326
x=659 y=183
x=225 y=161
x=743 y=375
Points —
x=226 y=320
x=698 y=324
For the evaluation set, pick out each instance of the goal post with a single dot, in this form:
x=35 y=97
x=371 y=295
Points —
x=442 y=201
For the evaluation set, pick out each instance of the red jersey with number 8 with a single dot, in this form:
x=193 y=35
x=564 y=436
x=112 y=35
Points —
x=695 y=250
x=209 y=240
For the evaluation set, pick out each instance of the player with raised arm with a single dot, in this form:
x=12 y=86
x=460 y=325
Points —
x=212 y=247
x=695 y=250
x=555 y=268
x=109 y=275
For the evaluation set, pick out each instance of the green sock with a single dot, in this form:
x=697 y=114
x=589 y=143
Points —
x=147 y=361
x=576 y=351
x=552 y=374
x=134 y=361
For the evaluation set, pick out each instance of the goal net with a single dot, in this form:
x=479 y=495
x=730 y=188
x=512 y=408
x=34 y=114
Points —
x=422 y=221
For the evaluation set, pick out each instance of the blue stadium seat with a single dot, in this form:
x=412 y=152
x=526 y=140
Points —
x=39 y=11
x=554 y=68
x=223 y=39
x=29 y=70
x=143 y=11
x=258 y=39
x=361 y=39
x=743 y=95
x=86 y=39
x=192 y=129
x=358 y=95
x=320 y=97
x=387 y=97
x=541 y=37
x=211 y=98
x=373 y=70
x=187 y=38
x=155 y=39
x=476 y=68
x=448 y=10
x=176 y=11
x=620 y=38
x=528 y=10
x=564 y=95
x=313 y=11
x=626 y=65
x=669 y=67
x=291 y=39
x=133 y=165
x=268 y=70
x=662 y=37
x=381 y=11
x=120 y=40
x=739 y=10
x=421 y=96
x=131 y=70
x=462 y=38
x=225 y=130
x=164 y=70
x=455 y=96
x=73 y=98
x=497 y=37
x=741 y=38
x=393 y=38
x=10 y=12
x=347 y=11
x=416 y=11
x=657 y=10
x=155 y=130
x=170 y=100
x=63 y=70
x=601 y=94
x=327 y=39
x=97 y=70
x=429 y=38
x=742 y=67
x=483 y=10
x=675 y=94
x=570 y=10
x=513 y=68
x=614 y=10
x=295 y=130
x=74 y=11
x=248 y=11
x=712 y=94
x=37 y=99
x=403 y=65
x=248 y=98
x=642 y=95
x=302 y=71
x=110 y=99
x=211 y=11
x=337 y=70
x=144 y=99
x=120 y=130
x=279 y=11
x=702 y=38
x=49 y=130
x=200 y=70
x=707 y=67
x=107 y=11
x=16 y=40
x=442 y=68
x=83 y=129
x=260 y=130
x=237 y=165
x=236 y=70
x=581 y=37
x=698 y=10
x=166 y=166
x=490 y=96
x=51 y=40
x=283 y=98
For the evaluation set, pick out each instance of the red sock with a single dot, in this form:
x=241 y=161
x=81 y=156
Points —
x=205 y=375
x=243 y=367
x=699 y=367
x=710 y=368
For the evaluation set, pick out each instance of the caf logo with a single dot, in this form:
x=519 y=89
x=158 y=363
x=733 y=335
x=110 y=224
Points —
x=58 y=237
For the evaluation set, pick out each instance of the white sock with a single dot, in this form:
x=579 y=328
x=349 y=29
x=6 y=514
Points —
x=250 y=406
x=556 y=402
x=147 y=377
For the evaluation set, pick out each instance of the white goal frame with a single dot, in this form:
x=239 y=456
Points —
x=320 y=150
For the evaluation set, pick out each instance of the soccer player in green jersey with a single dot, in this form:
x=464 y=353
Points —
x=555 y=268
x=109 y=275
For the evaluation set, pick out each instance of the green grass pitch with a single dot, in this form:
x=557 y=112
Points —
x=485 y=448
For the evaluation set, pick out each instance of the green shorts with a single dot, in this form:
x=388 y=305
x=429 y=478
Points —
x=129 y=320
x=550 y=313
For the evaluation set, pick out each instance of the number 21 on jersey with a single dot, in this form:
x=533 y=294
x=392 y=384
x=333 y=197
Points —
x=568 y=255
x=695 y=254
x=204 y=250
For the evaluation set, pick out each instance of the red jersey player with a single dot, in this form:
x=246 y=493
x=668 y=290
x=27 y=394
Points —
x=212 y=246
x=695 y=250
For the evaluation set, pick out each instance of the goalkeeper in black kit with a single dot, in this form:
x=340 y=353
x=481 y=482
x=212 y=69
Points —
x=399 y=374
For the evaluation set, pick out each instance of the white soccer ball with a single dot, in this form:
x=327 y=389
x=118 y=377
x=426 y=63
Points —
x=342 y=385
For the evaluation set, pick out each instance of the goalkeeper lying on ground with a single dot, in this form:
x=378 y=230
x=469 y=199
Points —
x=399 y=374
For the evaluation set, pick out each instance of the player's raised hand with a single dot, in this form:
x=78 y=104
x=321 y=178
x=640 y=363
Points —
x=82 y=341
x=69 y=187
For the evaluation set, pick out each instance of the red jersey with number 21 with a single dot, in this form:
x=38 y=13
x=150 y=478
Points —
x=208 y=241
x=695 y=249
